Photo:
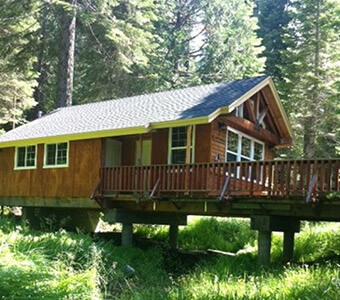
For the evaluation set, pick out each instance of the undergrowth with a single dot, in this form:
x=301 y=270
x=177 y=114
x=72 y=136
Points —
x=64 y=265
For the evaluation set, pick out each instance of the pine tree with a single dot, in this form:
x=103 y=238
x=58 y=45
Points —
x=18 y=29
x=206 y=41
x=232 y=47
x=312 y=76
x=273 y=17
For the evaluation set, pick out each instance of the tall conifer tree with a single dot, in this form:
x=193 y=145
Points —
x=312 y=75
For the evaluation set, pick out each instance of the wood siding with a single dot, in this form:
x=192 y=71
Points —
x=218 y=142
x=79 y=179
x=203 y=143
x=159 y=152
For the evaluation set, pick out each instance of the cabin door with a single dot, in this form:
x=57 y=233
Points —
x=113 y=153
x=143 y=158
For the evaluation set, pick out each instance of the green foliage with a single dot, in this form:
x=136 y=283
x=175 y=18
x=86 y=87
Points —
x=216 y=233
x=232 y=47
x=310 y=90
x=18 y=31
x=273 y=18
x=65 y=265
x=206 y=41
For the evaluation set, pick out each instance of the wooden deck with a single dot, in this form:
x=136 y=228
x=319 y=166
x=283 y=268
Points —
x=311 y=180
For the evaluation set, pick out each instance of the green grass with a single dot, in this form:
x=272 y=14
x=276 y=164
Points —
x=63 y=265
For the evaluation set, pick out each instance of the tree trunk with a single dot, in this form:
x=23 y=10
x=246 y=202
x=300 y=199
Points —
x=66 y=56
x=40 y=67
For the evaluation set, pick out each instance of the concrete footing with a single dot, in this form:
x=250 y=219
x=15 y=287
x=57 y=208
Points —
x=265 y=225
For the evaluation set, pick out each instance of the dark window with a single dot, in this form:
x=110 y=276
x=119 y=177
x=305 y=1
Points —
x=178 y=156
x=258 y=151
x=56 y=154
x=51 y=154
x=26 y=157
x=179 y=137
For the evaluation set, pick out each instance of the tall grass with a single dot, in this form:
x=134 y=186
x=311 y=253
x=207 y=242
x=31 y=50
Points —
x=63 y=265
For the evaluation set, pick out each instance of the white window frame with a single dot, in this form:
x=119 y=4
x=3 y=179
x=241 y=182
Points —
x=16 y=158
x=46 y=166
x=192 y=147
x=239 y=145
x=239 y=152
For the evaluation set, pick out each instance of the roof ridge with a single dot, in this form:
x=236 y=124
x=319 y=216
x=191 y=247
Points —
x=159 y=92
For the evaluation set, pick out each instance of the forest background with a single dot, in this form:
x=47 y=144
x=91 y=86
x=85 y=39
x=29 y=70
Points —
x=119 y=48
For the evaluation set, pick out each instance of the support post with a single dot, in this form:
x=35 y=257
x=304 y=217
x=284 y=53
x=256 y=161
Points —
x=265 y=225
x=288 y=246
x=173 y=235
x=127 y=234
x=264 y=245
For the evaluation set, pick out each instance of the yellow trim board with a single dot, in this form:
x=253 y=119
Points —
x=158 y=125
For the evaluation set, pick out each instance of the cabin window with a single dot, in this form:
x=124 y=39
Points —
x=26 y=157
x=56 y=155
x=241 y=147
x=178 y=145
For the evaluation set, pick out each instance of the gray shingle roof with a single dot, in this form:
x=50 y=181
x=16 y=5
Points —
x=137 y=111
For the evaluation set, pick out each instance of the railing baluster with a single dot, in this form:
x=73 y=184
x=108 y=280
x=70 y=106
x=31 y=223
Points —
x=270 y=178
x=302 y=175
x=288 y=174
x=308 y=175
x=322 y=175
x=264 y=176
x=329 y=177
x=337 y=179
x=276 y=178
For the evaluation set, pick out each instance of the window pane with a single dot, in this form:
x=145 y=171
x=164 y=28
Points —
x=231 y=157
x=50 y=156
x=232 y=141
x=30 y=160
x=21 y=157
x=179 y=137
x=62 y=154
x=258 y=151
x=178 y=156
x=246 y=147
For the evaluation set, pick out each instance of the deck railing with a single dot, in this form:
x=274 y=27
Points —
x=308 y=178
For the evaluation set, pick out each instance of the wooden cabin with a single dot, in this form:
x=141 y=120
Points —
x=69 y=152
x=156 y=158
x=199 y=144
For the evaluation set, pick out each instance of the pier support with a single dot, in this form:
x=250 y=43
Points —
x=264 y=246
x=288 y=246
x=127 y=218
x=173 y=236
x=127 y=234
x=265 y=225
